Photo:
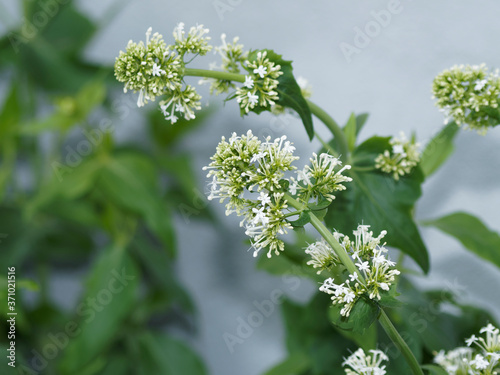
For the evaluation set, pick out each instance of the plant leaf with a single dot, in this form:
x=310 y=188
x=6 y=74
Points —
x=112 y=286
x=350 y=131
x=295 y=364
x=376 y=199
x=472 y=233
x=438 y=149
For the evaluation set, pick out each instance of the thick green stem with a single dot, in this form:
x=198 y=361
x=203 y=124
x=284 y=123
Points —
x=214 y=74
x=346 y=260
x=396 y=338
x=334 y=128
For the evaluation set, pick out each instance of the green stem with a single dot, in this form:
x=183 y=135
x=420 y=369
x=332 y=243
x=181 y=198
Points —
x=333 y=126
x=326 y=234
x=315 y=109
x=346 y=260
x=214 y=74
x=396 y=338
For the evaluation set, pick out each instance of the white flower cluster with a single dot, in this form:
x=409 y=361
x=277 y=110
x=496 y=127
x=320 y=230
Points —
x=484 y=360
x=401 y=159
x=155 y=69
x=320 y=179
x=469 y=95
x=377 y=271
x=244 y=166
x=259 y=87
x=362 y=364
x=194 y=42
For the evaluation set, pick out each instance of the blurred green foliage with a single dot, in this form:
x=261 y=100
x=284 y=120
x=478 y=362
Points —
x=73 y=200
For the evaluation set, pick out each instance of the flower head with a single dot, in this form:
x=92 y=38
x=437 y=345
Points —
x=151 y=68
x=401 y=159
x=481 y=359
x=362 y=364
x=375 y=273
x=194 y=42
x=245 y=164
x=264 y=75
x=469 y=95
x=323 y=256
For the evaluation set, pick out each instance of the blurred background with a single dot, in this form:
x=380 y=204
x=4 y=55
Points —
x=94 y=189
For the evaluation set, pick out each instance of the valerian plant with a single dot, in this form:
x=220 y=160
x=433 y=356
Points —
x=358 y=197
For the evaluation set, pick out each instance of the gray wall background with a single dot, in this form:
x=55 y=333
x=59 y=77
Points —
x=390 y=78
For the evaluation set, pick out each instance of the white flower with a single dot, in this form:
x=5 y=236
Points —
x=248 y=82
x=362 y=364
x=260 y=216
x=253 y=99
x=479 y=362
x=157 y=70
x=261 y=71
x=480 y=84
x=471 y=340
x=264 y=198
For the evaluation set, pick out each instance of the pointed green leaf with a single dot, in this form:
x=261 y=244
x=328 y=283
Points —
x=350 y=131
x=438 y=149
x=472 y=233
x=360 y=121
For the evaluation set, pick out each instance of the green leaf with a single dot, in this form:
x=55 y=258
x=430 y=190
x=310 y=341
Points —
x=158 y=266
x=472 y=233
x=435 y=370
x=161 y=354
x=362 y=316
x=303 y=219
x=295 y=364
x=11 y=113
x=110 y=295
x=350 y=131
x=69 y=111
x=129 y=180
x=309 y=331
x=360 y=121
x=438 y=149
x=290 y=95
x=376 y=199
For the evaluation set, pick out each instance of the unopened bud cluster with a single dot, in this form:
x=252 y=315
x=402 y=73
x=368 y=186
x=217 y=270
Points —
x=468 y=95
x=484 y=359
x=250 y=176
x=400 y=159
x=377 y=271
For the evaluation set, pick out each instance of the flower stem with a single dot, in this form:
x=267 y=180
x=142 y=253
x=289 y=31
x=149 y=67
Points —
x=214 y=74
x=315 y=109
x=325 y=233
x=346 y=260
x=333 y=126
x=396 y=338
